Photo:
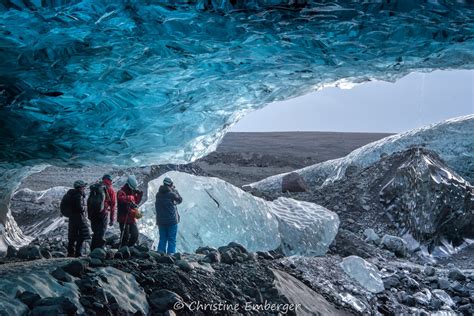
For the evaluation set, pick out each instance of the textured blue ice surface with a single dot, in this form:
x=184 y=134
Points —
x=140 y=82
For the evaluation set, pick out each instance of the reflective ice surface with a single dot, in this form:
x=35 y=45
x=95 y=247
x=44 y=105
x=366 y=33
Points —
x=363 y=272
x=214 y=213
x=138 y=82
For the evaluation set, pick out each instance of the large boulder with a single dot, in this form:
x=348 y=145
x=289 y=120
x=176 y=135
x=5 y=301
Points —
x=395 y=244
x=11 y=252
x=306 y=228
x=28 y=298
x=365 y=273
x=75 y=268
x=371 y=236
x=61 y=275
x=456 y=274
x=129 y=295
x=30 y=253
x=162 y=300
x=293 y=182
x=98 y=253
x=54 y=306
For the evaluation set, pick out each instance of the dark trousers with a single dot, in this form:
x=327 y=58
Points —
x=99 y=227
x=75 y=239
x=129 y=233
x=74 y=248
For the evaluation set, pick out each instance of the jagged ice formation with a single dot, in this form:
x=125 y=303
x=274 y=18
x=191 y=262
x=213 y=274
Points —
x=141 y=82
x=419 y=177
x=429 y=200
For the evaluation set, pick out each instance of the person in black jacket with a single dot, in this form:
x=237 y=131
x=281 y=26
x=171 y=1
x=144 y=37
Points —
x=78 y=229
x=167 y=217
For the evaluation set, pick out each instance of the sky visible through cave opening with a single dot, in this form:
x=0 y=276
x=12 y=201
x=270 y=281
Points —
x=413 y=101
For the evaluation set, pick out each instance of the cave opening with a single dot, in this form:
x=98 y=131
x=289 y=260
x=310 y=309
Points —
x=324 y=125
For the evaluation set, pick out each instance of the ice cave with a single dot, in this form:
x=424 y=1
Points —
x=140 y=83
x=136 y=82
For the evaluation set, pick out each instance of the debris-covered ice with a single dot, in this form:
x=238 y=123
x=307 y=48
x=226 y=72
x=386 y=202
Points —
x=37 y=212
x=452 y=140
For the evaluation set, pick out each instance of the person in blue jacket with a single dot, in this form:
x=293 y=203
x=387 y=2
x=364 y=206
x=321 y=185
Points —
x=167 y=216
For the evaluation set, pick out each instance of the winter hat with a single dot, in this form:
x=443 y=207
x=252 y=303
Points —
x=79 y=184
x=107 y=176
x=167 y=181
x=132 y=182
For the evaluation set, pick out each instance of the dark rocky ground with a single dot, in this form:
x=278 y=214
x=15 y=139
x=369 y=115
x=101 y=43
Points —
x=240 y=159
x=233 y=276
x=232 y=279
x=244 y=158
x=414 y=283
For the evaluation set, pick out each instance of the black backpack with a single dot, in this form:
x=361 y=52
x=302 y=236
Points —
x=96 y=199
x=65 y=205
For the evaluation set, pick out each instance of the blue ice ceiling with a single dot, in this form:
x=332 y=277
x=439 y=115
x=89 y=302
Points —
x=140 y=82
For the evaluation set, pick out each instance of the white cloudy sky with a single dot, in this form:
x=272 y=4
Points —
x=415 y=100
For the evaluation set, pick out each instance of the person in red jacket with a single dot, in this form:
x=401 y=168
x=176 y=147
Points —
x=106 y=215
x=110 y=203
x=128 y=198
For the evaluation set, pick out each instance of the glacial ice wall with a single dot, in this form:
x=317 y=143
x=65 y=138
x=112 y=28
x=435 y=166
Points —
x=10 y=177
x=140 y=82
x=214 y=213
